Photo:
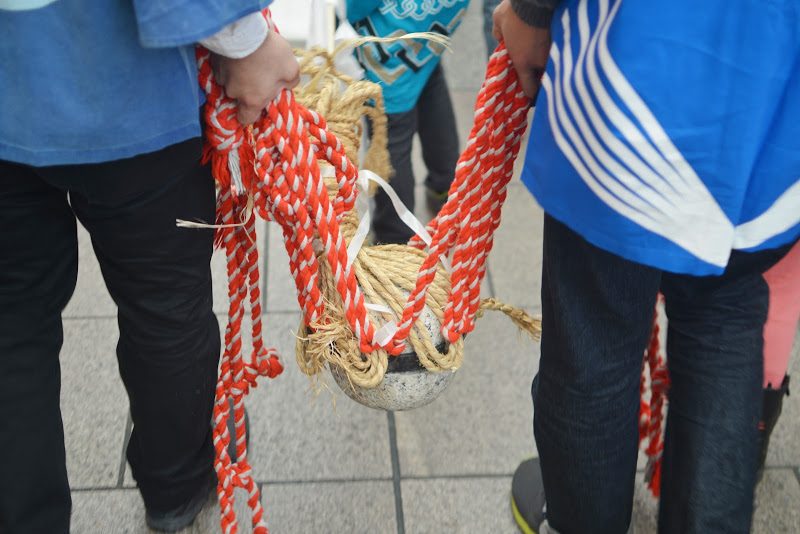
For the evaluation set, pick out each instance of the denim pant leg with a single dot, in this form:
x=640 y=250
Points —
x=438 y=134
x=597 y=316
x=388 y=227
x=715 y=348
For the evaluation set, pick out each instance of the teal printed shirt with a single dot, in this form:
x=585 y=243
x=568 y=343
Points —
x=402 y=68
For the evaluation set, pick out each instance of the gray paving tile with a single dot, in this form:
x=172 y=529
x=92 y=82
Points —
x=481 y=505
x=516 y=258
x=93 y=402
x=297 y=435
x=338 y=507
x=315 y=507
x=777 y=503
x=281 y=291
x=91 y=297
x=463 y=505
x=122 y=512
x=645 y=508
x=219 y=281
x=482 y=424
x=219 y=270
x=466 y=64
x=111 y=511
x=783 y=448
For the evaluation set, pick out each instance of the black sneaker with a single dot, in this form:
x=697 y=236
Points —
x=527 y=497
x=184 y=516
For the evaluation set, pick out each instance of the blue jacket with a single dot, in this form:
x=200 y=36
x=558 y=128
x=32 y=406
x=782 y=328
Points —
x=86 y=81
x=668 y=134
x=402 y=68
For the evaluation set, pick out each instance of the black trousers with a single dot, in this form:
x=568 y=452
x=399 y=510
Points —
x=433 y=119
x=158 y=275
x=597 y=311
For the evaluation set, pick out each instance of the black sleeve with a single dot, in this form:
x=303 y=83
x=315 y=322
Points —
x=537 y=13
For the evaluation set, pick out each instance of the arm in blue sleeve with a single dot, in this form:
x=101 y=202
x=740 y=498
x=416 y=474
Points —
x=166 y=23
x=361 y=9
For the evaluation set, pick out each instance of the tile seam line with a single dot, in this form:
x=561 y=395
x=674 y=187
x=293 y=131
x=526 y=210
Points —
x=301 y=481
x=396 y=473
x=466 y=476
x=87 y=317
x=260 y=483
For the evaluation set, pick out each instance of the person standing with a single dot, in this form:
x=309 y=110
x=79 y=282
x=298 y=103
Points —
x=665 y=152
x=779 y=333
x=100 y=121
x=416 y=97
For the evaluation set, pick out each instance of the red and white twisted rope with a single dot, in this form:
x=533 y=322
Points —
x=273 y=171
x=652 y=413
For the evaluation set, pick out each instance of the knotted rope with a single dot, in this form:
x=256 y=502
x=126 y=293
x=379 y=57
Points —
x=229 y=150
x=273 y=170
x=386 y=274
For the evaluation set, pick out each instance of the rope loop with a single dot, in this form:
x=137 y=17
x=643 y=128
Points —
x=274 y=169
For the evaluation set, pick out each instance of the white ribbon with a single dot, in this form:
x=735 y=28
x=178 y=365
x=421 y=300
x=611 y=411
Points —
x=364 y=177
x=386 y=332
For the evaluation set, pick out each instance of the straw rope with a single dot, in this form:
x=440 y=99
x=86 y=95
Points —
x=274 y=170
x=386 y=274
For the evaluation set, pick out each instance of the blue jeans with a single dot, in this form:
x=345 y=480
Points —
x=597 y=318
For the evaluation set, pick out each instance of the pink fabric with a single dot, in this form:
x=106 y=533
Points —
x=784 y=311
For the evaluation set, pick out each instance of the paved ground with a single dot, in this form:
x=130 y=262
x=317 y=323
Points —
x=326 y=464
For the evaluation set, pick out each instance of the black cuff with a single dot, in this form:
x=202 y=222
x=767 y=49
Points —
x=533 y=14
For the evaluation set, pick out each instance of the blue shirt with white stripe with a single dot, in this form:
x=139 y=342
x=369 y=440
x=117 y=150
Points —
x=86 y=81
x=668 y=132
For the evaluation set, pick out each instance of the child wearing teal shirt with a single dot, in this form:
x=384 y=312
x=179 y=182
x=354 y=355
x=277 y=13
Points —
x=416 y=97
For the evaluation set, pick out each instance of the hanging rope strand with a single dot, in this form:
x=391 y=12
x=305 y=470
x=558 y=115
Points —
x=274 y=170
